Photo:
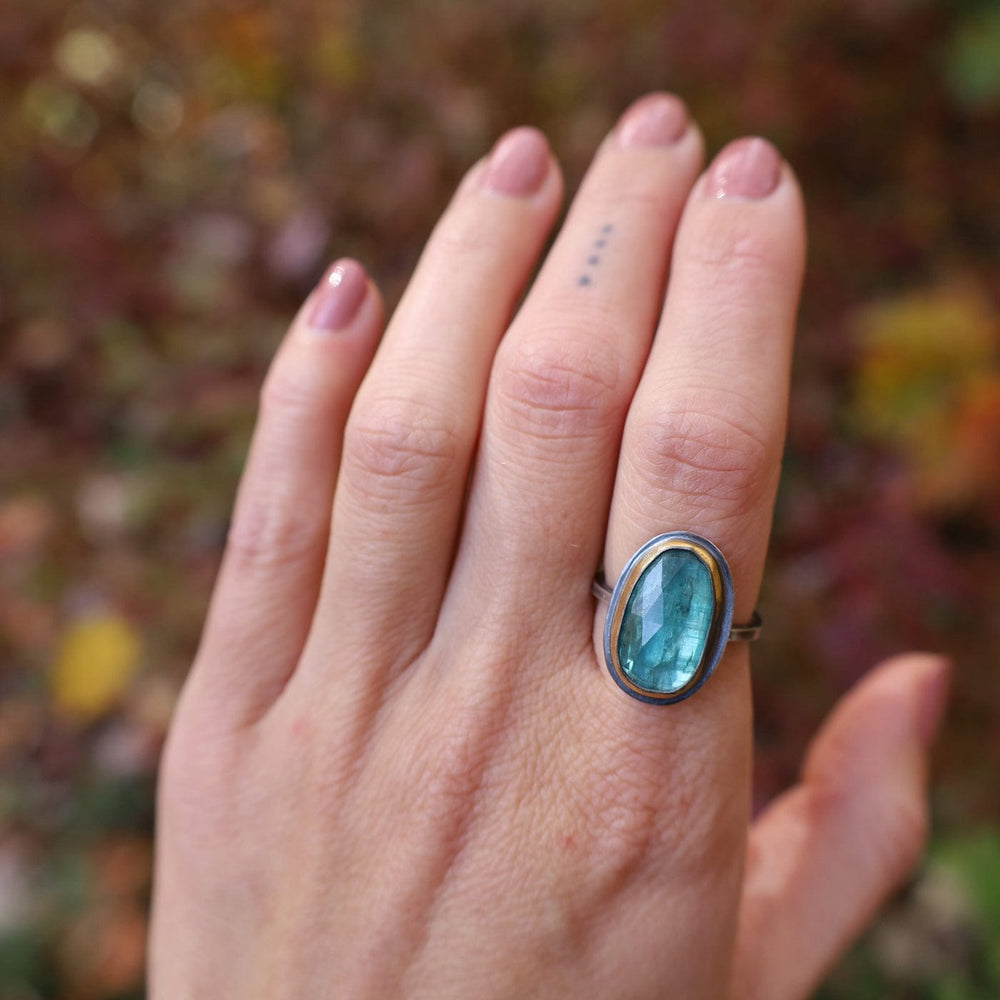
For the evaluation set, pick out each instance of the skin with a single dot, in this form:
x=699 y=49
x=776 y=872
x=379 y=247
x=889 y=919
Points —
x=399 y=767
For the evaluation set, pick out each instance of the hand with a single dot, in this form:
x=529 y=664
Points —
x=399 y=767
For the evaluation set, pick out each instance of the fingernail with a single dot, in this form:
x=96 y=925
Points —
x=654 y=120
x=518 y=163
x=746 y=168
x=933 y=700
x=338 y=296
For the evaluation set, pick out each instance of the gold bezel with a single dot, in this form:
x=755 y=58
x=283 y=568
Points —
x=623 y=591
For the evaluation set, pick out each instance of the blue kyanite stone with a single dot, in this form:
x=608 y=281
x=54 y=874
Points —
x=667 y=619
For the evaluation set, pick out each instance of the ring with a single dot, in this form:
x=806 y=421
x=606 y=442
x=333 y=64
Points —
x=670 y=616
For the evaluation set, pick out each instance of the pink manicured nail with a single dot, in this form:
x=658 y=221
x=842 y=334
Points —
x=746 y=168
x=338 y=296
x=654 y=120
x=518 y=163
x=933 y=700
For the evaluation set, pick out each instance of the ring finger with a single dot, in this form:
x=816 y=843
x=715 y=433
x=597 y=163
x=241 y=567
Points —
x=701 y=453
x=702 y=445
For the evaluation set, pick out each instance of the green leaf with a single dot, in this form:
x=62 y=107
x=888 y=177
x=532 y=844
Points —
x=973 y=58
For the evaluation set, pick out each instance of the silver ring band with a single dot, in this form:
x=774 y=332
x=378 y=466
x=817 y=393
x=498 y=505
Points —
x=670 y=617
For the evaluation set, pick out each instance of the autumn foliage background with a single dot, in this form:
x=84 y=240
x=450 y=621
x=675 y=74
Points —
x=174 y=177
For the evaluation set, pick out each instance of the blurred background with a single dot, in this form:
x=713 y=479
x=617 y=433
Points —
x=173 y=179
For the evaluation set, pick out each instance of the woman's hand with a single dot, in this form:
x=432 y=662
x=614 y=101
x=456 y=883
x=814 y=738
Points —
x=400 y=767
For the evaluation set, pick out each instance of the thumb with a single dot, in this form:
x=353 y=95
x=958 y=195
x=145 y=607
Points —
x=825 y=854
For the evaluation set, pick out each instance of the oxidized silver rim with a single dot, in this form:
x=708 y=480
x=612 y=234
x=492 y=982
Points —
x=721 y=630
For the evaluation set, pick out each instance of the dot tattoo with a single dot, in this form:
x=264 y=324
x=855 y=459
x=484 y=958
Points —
x=594 y=258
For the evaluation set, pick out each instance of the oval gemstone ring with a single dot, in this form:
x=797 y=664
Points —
x=669 y=618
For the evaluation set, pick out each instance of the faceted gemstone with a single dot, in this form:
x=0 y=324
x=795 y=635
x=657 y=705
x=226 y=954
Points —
x=666 y=623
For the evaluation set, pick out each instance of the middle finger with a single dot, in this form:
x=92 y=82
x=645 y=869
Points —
x=566 y=371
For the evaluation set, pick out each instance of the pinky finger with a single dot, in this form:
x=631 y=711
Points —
x=827 y=853
x=269 y=580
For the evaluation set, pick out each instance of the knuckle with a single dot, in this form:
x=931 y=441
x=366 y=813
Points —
x=893 y=840
x=629 y=819
x=629 y=826
x=905 y=833
x=394 y=446
x=274 y=532
x=285 y=394
x=745 y=250
x=462 y=236
x=555 y=389
x=698 y=451
x=700 y=827
x=734 y=256
x=641 y=202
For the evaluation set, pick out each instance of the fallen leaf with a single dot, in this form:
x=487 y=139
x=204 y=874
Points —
x=97 y=659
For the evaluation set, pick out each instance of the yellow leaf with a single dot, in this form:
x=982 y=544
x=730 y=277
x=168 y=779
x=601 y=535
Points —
x=916 y=354
x=924 y=360
x=96 y=661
